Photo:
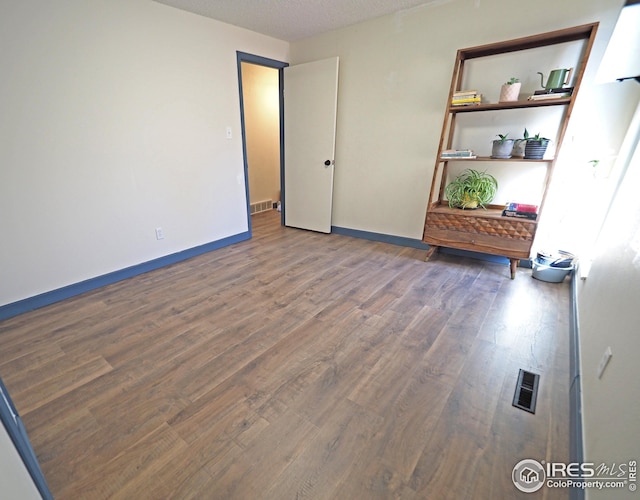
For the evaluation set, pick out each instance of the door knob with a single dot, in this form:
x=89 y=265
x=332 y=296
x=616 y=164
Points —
x=327 y=163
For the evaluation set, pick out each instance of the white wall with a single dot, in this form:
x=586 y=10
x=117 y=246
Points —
x=609 y=317
x=395 y=73
x=113 y=123
x=15 y=480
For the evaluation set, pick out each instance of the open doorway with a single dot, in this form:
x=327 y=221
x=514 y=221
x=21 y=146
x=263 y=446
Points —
x=261 y=108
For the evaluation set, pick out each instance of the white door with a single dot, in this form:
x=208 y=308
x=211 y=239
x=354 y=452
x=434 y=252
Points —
x=310 y=102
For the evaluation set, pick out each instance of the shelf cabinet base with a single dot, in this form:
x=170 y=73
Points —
x=513 y=262
x=485 y=231
x=430 y=252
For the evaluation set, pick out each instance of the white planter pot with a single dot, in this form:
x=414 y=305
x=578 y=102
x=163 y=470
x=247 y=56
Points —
x=518 y=148
x=510 y=93
x=502 y=149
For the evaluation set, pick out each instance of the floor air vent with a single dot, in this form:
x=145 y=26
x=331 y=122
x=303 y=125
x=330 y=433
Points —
x=526 y=391
x=261 y=206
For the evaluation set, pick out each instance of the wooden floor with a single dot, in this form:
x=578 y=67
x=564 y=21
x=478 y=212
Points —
x=295 y=365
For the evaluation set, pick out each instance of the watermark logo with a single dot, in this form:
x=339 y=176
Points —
x=528 y=475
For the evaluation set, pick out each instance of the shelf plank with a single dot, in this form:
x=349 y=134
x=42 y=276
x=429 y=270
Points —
x=489 y=158
x=495 y=106
x=582 y=32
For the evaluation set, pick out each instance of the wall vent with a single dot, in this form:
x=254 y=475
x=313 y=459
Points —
x=526 y=391
x=261 y=206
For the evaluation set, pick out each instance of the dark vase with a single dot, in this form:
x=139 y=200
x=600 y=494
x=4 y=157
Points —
x=534 y=150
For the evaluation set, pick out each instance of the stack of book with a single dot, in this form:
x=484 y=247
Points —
x=457 y=154
x=520 y=210
x=545 y=94
x=466 y=98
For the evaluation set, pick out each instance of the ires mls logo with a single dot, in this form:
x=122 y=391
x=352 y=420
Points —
x=530 y=475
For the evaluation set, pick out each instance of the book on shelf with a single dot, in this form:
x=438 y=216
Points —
x=467 y=100
x=457 y=153
x=520 y=210
x=521 y=207
x=520 y=215
x=465 y=93
x=558 y=90
x=547 y=97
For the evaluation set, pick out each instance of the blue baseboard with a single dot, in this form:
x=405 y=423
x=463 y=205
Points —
x=496 y=259
x=382 y=238
x=47 y=298
x=576 y=445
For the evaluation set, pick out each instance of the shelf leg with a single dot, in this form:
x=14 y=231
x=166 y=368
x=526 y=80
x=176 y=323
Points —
x=430 y=252
x=513 y=265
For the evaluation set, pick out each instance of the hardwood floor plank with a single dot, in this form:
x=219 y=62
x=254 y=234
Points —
x=250 y=473
x=374 y=480
x=127 y=475
x=64 y=381
x=328 y=456
x=57 y=410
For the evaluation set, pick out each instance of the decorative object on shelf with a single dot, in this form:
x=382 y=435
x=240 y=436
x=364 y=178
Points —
x=557 y=78
x=520 y=210
x=553 y=93
x=519 y=145
x=502 y=147
x=471 y=189
x=457 y=154
x=510 y=90
x=536 y=147
x=466 y=98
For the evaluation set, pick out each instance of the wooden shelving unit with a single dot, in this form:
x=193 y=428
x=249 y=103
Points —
x=487 y=231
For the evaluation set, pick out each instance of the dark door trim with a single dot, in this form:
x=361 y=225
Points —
x=279 y=65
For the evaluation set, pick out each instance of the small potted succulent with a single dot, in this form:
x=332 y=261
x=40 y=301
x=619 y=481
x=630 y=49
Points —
x=471 y=189
x=510 y=90
x=536 y=147
x=502 y=147
x=519 y=145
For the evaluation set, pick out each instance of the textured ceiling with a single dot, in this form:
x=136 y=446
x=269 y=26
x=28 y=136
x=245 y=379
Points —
x=292 y=20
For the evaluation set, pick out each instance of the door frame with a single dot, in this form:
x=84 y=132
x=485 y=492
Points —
x=279 y=65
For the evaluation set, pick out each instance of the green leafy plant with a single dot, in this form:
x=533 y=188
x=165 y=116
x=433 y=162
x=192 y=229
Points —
x=535 y=137
x=525 y=136
x=471 y=189
x=503 y=138
x=512 y=80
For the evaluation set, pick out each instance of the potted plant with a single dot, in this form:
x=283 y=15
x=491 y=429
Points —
x=471 y=189
x=536 y=147
x=510 y=90
x=519 y=145
x=502 y=147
